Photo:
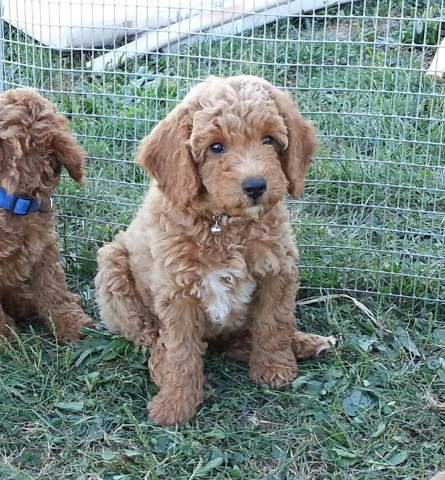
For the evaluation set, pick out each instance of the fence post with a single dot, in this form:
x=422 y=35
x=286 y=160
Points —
x=2 y=47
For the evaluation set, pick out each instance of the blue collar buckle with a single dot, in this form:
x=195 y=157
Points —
x=21 y=205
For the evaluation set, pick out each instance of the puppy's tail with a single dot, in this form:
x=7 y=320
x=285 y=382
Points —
x=122 y=309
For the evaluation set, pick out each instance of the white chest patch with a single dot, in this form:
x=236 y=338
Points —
x=225 y=293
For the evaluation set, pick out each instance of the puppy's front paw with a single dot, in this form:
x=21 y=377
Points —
x=273 y=373
x=166 y=409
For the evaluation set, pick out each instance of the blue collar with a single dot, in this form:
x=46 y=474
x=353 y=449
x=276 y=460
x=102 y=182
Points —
x=18 y=205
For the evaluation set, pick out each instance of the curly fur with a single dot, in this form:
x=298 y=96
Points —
x=167 y=282
x=35 y=143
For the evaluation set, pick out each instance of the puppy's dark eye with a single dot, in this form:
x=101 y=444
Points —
x=268 y=140
x=217 y=148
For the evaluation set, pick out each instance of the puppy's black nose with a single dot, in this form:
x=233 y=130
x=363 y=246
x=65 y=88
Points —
x=254 y=187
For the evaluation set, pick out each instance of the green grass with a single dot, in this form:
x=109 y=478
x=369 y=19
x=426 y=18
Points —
x=370 y=225
x=368 y=411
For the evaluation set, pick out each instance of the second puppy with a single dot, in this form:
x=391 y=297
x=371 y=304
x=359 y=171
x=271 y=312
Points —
x=35 y=144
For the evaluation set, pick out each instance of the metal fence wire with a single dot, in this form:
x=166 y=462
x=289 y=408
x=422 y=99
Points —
x=371 y=221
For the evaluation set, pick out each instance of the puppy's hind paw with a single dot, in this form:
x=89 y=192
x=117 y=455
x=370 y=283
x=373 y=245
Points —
x=68 y=326
x=308 y=345
x=326 y=348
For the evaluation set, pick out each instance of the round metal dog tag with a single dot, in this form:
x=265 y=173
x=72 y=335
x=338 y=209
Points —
x=215 y=229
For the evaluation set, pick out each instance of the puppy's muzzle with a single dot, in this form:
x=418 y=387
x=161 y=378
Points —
x=254 y=187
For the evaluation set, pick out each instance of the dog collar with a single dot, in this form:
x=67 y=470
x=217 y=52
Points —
x=21 y=205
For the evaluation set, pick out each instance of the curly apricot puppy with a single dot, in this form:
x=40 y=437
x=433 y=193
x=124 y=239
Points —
x=209 y=257
x=439 y=476
x=35 y=143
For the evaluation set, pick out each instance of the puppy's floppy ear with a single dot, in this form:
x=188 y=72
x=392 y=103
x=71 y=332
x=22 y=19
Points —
x=302 y=143
x=68 y=152
x=166 y=155
x=10 y=151
x=26 y=115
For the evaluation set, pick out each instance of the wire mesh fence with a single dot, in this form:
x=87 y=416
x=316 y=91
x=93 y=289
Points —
x=372 y=219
